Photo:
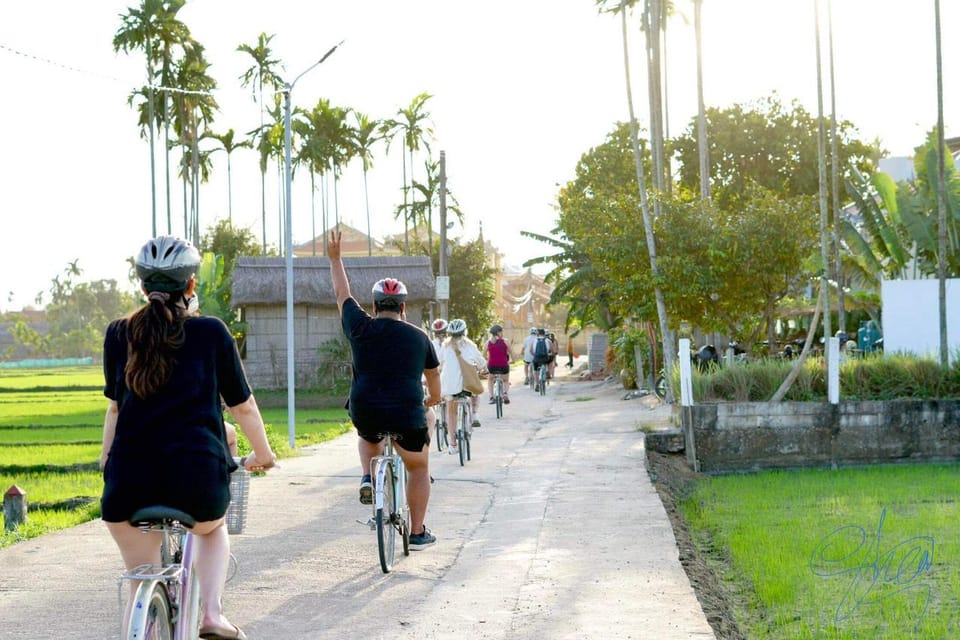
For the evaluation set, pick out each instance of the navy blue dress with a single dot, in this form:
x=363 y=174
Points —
x=171 y=448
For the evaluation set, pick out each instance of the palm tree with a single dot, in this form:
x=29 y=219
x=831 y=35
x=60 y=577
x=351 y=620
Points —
x=228 y=144
x=262 y=72
x=701 y=111
x=151 y=27
x=822 y=167
x=413 y=123
x=621 y=8
x=941 y=200
x=365 y=136
x=196 y=106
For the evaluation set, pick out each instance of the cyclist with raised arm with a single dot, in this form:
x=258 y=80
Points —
x=451 y=377
x=390 y=357
x=497 y=353
x=166 y=369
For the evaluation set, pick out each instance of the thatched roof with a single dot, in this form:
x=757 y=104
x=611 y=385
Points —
x=264 y=280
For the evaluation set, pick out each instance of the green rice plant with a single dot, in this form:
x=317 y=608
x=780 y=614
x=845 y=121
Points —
x=51 y=487
x=855 y=553
x=49 y=455
x=32 y=407
x=52 y=378
x=82 y=434
x=44 y=521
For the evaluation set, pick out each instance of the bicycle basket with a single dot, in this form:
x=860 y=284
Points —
x=239 y=492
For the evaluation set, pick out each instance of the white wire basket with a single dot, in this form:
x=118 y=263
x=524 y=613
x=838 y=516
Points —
x=239 y=493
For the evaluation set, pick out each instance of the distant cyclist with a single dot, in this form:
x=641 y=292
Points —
x=451 y=378
x=497 y=353
x=390 y=357
x=439 y=330
x=539 y=355
x=528 y=355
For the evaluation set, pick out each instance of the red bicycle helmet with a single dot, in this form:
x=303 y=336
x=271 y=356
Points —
x=389 y=289
x=439 y=325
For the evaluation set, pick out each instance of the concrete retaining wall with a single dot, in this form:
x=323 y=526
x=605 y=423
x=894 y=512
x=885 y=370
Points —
x=759 y=435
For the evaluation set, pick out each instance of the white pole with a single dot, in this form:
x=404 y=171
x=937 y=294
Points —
x=686 y=374
x=288 y=248
x=833 y=370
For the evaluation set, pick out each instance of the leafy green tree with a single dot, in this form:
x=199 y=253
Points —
x=766 y=144
x=471 y=286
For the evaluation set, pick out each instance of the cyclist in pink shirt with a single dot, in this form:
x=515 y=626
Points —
x=497 y=353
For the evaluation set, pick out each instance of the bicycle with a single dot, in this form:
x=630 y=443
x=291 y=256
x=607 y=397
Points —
x=166 y=604
x=542 y=379
x=498 y=394
x=440 y=427
x=391 y=513
x=464 y=427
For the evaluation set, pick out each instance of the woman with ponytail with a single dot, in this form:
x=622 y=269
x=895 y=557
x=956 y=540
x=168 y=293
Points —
x=166 y=369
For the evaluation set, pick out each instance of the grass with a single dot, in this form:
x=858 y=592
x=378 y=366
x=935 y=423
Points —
x=51 y=423
x=852 y=554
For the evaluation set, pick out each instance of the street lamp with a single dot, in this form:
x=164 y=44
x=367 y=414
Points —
x=288 y=244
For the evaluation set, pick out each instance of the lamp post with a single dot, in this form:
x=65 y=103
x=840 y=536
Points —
x=288 y=248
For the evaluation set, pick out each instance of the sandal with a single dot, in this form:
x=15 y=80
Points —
x=233 y=634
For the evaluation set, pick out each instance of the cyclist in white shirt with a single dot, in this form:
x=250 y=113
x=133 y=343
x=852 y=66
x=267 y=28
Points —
x=528 y=355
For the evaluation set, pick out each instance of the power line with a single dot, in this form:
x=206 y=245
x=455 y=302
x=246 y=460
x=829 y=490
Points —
x=72 y=69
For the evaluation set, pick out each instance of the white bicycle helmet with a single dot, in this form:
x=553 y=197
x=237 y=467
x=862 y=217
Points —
x=389 y=289
x=439 y=326
x=457 y=327
x=166 y=263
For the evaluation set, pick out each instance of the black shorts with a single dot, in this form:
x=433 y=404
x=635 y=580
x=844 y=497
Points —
x=495 y=370
x=413 y=440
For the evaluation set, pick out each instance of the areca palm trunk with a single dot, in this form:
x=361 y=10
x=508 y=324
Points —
x=822 y=169
x=941 y=201
x=701 y=112
x=668 y=350
x=835 y=179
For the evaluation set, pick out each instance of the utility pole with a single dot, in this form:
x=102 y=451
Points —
x=443 y=281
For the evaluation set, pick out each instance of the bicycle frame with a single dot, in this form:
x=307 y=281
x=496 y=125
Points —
x=175 y=574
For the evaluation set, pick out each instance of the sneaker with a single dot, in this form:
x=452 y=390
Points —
x=452 y=450
x=475 y=423
x=420 y=541
x=506 y=400
x=366 y=490
x=492 y=401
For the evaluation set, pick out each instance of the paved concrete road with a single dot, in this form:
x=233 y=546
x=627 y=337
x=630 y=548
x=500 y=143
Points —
x=553 y=530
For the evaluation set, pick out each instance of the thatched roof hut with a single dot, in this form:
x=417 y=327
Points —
x=260 y=292
x=263 y=281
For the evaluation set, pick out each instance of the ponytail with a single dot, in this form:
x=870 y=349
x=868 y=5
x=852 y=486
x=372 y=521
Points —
x=154 y=334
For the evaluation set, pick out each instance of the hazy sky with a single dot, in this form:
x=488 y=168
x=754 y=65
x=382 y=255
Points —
x=521 y=89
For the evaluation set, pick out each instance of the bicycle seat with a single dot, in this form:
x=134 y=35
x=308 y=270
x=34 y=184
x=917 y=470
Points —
x=159 y=514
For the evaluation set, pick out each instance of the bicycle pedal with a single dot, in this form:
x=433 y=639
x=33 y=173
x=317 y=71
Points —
x=370 y=522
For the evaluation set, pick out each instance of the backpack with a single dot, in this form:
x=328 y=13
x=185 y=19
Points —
x=541 y=353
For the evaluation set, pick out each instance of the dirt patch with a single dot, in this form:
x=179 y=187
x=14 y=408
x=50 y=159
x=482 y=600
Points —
x=673 y=479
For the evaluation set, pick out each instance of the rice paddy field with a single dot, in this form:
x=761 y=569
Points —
x=51 y=423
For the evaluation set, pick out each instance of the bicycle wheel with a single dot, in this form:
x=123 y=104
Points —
x=467 y=439
x=660 y=387
x=386 y=531
x=498 y=397
x=543 y=380
x=150 y=616
x=403 y=514
x=440 y=432
x=461 y=446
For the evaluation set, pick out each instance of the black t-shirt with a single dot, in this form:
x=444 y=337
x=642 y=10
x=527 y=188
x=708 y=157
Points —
x=177 y=431
x=389 y=357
